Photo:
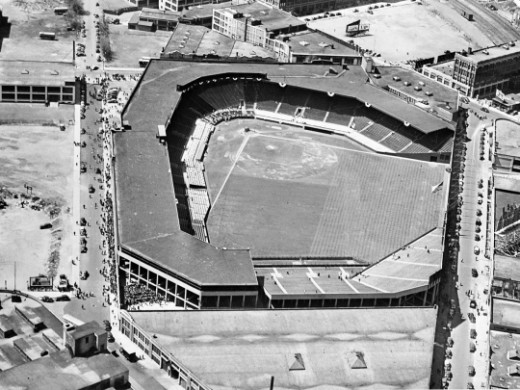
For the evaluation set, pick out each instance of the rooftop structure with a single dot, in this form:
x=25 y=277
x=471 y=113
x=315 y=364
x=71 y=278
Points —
x=183 y=5
x=372 y=347
x=160 y=20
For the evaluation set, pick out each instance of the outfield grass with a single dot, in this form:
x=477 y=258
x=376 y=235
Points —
x=299 y=197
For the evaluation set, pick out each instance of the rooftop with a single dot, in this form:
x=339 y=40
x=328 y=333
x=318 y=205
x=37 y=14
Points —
x=507 y=267
x=86 y=329
x=508 y=137
x=492 y=53
x=204 y=11
x=504 y=360
x=375 y=348
x=314 y=42
x=199 y=40
x=506 y=313
x=440 y=93
x=445 y=67
x=153 y=13
x=60 y=371
x=273 y=19
x=36 y=73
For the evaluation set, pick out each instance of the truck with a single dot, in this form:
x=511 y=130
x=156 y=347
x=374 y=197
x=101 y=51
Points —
x=40 y=283
x=468 y=16
x=64 y=283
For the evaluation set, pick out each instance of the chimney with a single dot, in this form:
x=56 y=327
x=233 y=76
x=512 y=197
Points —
x=470 y=50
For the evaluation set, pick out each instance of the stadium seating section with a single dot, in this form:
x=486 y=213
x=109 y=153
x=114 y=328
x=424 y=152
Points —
x=205 y=105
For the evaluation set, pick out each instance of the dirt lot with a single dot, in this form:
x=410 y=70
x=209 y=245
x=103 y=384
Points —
x=130 y=45
x=407 y=30
x=27 y=19
x=40 y=157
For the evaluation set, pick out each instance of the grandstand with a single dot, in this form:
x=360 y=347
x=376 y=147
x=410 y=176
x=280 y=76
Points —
x=152 y=225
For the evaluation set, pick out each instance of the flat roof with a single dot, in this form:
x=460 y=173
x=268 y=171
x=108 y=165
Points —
x=507 y=137
x=60 y=371
x=86 y=329
x=153 y=13
x=445 y=67
x=272 y=18
x=36 y=73
x=243 y=349
x=199 y=40
x=507 y=267
x=204 y=11
x=146 y=204
x=506 y=183
x=315 y=42
x=493 y=52
x=504 y=346
x=441 y=93
x=506 y=313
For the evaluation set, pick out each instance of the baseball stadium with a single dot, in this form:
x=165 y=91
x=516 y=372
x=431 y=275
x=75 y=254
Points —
x=242 y=185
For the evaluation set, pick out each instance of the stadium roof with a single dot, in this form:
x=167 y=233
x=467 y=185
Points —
x=36 y=73
x=352 y=348
x=440 y=92
x=146 y=205
x=503 y=347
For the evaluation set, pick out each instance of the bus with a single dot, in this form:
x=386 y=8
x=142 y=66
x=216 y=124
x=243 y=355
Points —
x=51 y=36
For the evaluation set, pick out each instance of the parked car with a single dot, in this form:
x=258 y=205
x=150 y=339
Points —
x=47 y=299
x=63 y=298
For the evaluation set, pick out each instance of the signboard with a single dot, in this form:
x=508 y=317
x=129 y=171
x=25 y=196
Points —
x=356 y=27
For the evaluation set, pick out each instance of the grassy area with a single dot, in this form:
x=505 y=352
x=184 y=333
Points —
x=130 y=45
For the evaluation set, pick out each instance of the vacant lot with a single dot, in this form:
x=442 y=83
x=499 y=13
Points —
x=130 y=45
x=27 y=19
x=41 y=158
x=406 y=31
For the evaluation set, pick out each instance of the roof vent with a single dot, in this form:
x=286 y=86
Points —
x=298 y=364
x=356 y=360
x=25 y=71
x=55 y=73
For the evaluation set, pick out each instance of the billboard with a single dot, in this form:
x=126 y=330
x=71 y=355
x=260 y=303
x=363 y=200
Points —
x=356 y=28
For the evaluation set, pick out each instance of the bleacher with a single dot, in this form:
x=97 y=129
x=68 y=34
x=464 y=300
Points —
x=268 y=95
x=195 y=176
x=396 y=142
x=292 y=99
x=200 y=231
x=317 y=106
x=376 y=132
x=342 y=110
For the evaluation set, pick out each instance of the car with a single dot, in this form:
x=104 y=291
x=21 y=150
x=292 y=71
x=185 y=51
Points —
x=477 y=237
x=47 y=299
x=476 y=250
x=479 y=213
x=453 y=303
x=473 y=304
x=63 y=298
x=477 y=229
x=111 y=339
x=471 y=318
x=115 y=353
x=474 y=272
x=484 y=109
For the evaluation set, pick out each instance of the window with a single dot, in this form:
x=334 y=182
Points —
x=86 y=340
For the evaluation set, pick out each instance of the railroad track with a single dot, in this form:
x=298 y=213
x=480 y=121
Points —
x=496 y=28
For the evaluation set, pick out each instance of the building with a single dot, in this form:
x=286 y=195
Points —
x=479 y=73
x=87 y=339
x=507 y=157
x=199 y=42
x=61 y=371
x=154 y=19
x=255 y=23
x=35 y=82
x=306 y=7
x=510 y=103
x=181 y=5
x=321 y=348
x=308 y=47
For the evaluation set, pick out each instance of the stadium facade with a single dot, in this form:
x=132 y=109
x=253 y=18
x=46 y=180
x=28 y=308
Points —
x=162 y=202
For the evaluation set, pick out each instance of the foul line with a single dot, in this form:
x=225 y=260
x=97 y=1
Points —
x=239 y=152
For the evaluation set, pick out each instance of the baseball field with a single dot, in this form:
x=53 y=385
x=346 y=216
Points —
x=290 y=192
